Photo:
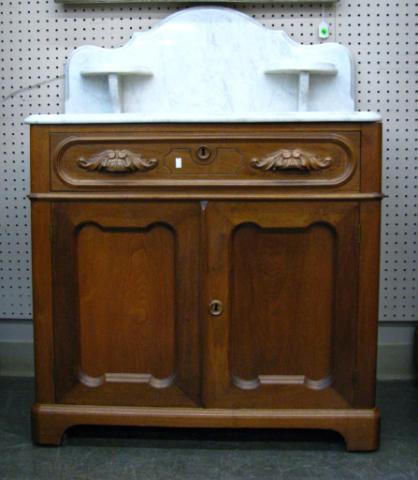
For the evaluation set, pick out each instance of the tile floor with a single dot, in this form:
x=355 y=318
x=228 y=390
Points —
x=151 y=454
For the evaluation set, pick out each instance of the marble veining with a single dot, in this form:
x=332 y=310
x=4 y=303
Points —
x=208 y=61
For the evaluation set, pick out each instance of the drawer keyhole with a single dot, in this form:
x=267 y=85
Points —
x=203 y=153
x=215 y=307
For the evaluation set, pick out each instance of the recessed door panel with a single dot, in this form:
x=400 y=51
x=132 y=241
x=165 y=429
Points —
x=286 y=275
x=282 y=304
x=127 y=312
x=127 y=298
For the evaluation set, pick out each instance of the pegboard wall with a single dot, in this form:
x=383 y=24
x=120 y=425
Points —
x=37 y=36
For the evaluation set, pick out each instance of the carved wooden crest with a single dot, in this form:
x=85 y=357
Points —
x=294 y=159
x=118 y=161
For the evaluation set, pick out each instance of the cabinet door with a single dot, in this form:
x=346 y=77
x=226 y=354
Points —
x=283 y=332
x=126 y=303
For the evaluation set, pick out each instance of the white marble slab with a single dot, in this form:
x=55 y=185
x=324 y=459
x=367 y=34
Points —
x=89 y=118
x=210 y=64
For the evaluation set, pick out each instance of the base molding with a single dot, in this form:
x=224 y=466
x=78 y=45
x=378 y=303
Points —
x=359 y=427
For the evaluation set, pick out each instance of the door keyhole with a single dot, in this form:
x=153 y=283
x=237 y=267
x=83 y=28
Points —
x=215 y=307
x=203 y=153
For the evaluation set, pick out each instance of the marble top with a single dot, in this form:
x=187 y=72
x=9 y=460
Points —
x=209 y=64
x=91 y=118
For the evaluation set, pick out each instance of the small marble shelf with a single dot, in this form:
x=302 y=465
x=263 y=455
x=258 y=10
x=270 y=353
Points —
x=304 y=72
x=91 y=72
x=113 y=77
x=320 y=68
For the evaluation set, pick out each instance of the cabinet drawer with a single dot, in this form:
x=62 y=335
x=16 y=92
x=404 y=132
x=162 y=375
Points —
x=283 y=159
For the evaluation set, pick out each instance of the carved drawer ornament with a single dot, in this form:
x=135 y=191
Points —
x=293 y=159
x=117 y=161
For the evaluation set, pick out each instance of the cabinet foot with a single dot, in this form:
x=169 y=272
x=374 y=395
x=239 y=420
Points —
x=362 y=436
x=46 y=430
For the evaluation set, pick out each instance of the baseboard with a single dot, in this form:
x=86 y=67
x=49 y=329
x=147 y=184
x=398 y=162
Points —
x=16 y=359
x=395 y=361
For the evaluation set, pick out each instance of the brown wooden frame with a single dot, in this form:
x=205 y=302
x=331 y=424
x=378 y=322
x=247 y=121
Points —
x=358 y=419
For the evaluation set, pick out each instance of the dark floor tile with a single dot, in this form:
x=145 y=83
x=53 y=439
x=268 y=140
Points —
x=154 y=454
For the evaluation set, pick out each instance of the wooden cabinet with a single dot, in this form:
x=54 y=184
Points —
x=206 y=275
